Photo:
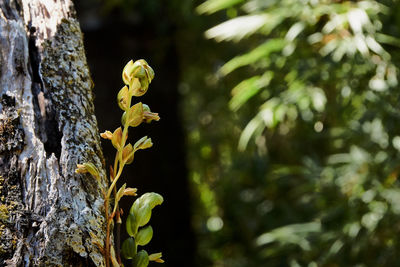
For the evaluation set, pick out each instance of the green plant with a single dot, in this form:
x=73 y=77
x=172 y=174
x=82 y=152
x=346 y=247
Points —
x=137 y=76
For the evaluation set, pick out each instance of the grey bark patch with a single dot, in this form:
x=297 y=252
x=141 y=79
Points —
x=57 y=215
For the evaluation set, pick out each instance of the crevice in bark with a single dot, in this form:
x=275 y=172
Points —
x=7 y=9
x=45 y=116
x=74 y=259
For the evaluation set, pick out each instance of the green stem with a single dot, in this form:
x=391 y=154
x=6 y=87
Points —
x=114 y=181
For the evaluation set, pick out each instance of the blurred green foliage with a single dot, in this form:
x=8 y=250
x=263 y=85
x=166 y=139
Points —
x=315 y=102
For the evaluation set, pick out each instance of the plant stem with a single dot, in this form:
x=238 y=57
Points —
x=110 y=189
x=118 y=163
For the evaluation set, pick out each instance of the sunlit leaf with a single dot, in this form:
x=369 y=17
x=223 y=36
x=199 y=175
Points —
x=258 y=53
x=213 y=6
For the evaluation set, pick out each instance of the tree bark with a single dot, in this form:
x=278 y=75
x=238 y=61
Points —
x=49 y=216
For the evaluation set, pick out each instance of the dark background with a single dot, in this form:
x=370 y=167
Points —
x=111 y=39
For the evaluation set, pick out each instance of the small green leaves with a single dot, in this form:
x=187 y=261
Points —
x=131 y=225
x=141 y=259
x=123 y=98
x=144 y=236
x=88 y=168
x=129 y=248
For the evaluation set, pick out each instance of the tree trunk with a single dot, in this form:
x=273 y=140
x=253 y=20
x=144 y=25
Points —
x=49 y=216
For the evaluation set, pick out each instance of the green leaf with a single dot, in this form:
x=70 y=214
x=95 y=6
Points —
x=248 y=88
x=144 y=236
x=143 y=215
x=212 y=6
x=129 y=248
x=260 y=52
x=141 y=259
x=153 y=199
x=131 y=224
x=238 y=28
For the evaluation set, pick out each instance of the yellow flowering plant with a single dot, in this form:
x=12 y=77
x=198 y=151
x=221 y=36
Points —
x=136 y=76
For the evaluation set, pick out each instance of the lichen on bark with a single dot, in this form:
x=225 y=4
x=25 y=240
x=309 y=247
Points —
x=49 y=216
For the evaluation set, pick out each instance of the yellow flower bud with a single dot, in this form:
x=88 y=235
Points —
x=88 y=168
x=116 y=139
x=156 y=257
x=143 y=143
x=130 y=191
x=128 y=154
x=134 y=115
x=106 y=135
x=123 y=98
x=127 y=71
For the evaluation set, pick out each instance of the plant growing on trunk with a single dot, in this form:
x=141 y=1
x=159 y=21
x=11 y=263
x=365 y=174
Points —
x=137 y=76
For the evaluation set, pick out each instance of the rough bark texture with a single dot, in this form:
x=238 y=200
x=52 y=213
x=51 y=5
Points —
x=49 y=216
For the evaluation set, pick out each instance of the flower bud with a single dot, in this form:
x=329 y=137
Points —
x=141 y=259
x=144 y=236
x=106 y=135
x=128 y=154
x=149 y=116
x=123 y=98
x=149 y=70
x=156 y=257
x=138 y=69
x=135 y=115
x=133 y=70
x=127 y=71
x=139 y=86
x=143 y=143
x=117 y=138
x=88 y=168
x=119 y=194
x=130 y=191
